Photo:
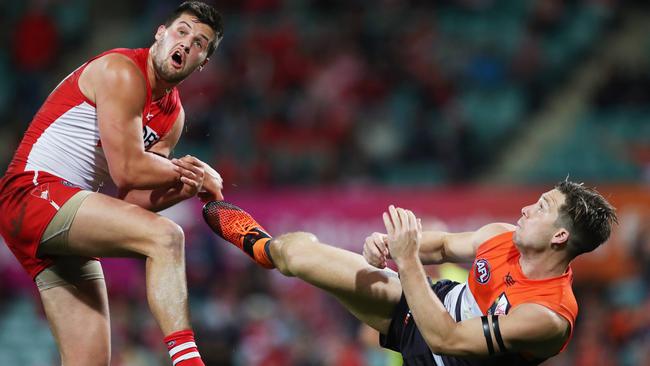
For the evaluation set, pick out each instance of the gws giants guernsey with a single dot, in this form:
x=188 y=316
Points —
x=496 y=284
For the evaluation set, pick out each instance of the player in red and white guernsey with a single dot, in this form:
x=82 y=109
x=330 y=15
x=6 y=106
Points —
x=116 y=118
x=516 y=308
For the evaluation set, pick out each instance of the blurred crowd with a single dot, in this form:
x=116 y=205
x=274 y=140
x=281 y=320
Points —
x=307 y=92
x=335 y=92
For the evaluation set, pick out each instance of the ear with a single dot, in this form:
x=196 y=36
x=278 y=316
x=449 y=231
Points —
x=160 y=31
x=561 y=237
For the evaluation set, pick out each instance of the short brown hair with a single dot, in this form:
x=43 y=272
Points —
x=587 y=215
x=206 y=14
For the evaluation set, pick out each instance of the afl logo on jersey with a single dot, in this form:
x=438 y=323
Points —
x=482 y=271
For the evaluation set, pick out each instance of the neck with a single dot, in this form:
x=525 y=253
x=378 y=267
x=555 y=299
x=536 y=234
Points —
x=159 y=87
x=540 y=265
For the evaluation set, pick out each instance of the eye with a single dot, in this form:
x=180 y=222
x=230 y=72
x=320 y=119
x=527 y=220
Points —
x=198 y=44
x=182 y=32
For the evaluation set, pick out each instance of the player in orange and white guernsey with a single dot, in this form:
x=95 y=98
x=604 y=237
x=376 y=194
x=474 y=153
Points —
x=516 y=308
x=114 y=119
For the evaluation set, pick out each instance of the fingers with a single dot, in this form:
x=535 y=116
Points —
x=190 y=182
x=190 y=167
x=404 y=219
x=398 y=220
x=375 y=250
x=395 y=217
x=413 y=222
x=392 y=221
x=389 y=224
x=200 y=176
x=213 y=183
x=213 y=173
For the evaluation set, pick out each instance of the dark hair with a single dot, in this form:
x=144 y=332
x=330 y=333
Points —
x=587 y=215
x=205 y=14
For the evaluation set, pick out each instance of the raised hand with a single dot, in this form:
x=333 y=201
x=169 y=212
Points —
x=404 y=233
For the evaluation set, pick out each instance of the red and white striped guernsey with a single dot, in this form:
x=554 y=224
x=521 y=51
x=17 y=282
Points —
x=63 y=137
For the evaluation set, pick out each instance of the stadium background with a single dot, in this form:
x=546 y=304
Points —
x=319 y=113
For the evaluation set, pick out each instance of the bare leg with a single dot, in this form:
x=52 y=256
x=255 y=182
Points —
x=78 y=317
x=367 y=292
x=104 y=227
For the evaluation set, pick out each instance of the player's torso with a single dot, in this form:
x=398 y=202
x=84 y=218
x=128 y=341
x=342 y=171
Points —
x=497 y=283
x=63 y=138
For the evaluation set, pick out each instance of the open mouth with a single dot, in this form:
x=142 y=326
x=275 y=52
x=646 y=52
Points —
x=177 y=59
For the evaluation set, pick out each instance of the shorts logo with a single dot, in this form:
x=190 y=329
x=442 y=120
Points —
x=42 y=192
x=482 y=271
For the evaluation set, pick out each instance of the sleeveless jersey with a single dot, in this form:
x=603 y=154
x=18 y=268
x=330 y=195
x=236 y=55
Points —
x=498 y=284
x=63 y=137
x=495 y=285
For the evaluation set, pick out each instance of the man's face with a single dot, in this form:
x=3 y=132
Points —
x=538 y=226
x=181 y=48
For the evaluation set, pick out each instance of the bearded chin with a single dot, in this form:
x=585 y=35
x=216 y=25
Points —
x=171 y=77
x=167 y=73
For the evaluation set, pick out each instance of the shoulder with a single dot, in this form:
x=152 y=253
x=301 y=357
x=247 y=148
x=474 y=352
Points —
x=179 y=121
x=181 y=114
x=490 y=231
x=115 y=69
x=114 y=78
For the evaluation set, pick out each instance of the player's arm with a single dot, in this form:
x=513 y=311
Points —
x=198 y=178
x=161 y=198
x=118 y=89
x=440 y=247
x=529 y=328
x=436 y=246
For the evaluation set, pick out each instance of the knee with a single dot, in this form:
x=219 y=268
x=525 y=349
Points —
x=295 y=241
x=292 y=248
x=170 y=240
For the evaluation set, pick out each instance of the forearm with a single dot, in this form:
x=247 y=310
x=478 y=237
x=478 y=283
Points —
x=433 y=320
x=145 y=171
x=153 y=200
x=432 y=247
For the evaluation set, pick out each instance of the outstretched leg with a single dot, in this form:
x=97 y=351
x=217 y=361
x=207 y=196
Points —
x=369 y=293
